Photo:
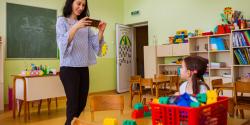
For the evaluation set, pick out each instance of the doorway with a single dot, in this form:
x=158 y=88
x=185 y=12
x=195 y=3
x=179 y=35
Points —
x=141 y=40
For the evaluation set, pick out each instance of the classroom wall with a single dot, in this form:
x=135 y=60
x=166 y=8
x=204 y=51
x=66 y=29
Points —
x=102 y=75
x=166 y=16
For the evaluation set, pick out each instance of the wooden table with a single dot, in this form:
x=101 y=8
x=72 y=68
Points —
x=31 y=88
x=157 y=83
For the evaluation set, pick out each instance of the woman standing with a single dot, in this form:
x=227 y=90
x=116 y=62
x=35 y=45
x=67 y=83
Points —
x=78 y=46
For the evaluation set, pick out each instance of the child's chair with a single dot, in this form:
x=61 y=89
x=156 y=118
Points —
x=146 y=88
x=217 y=82
x=106 y=102
x=134 y=87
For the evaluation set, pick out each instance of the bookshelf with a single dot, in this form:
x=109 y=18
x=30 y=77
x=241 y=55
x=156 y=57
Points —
x=1 y=75
x=202 y=46
x=240 y=53
x=231 y=70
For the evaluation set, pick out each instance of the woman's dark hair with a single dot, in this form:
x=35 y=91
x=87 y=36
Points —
x=198 y=65
x=67 y=9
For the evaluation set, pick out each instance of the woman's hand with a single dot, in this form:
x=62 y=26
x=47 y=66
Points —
x=101 y=28
x=82 y=23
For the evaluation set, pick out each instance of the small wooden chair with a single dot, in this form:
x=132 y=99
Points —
x=106 y=102
x=242 y=102
x=134 y=87
x=161 y=82
x=216 y=82
x=146 y=87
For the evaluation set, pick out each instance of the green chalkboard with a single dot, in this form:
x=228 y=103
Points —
x=31 y=32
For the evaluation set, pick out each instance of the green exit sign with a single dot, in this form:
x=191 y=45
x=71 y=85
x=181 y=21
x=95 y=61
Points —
x=137 y=12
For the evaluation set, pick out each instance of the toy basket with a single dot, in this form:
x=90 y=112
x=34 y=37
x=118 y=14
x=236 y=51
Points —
x=211 y=114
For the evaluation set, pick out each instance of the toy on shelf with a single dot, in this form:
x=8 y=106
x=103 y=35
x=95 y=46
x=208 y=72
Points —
x=180 y=36
x=110 y=121
x=141 y=111
x=129 y=122
x=207 y=33
x=41 y=70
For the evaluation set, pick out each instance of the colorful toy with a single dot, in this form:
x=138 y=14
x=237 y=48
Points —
x=110 y=121
x=129 y=122
x=202 y=97
x=179 y=38
x=138 y=114
x=163 y=100
x=138 y=106
x=184 y=100
x=147 y=114
x=156 y=101
x=211 y=96
x=194 y=104
x=145 y=108
x=182 y=32
x=207 y=33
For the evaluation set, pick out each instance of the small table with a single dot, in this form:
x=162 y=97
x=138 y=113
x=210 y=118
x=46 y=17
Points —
x=157 y=83
x=31 y=88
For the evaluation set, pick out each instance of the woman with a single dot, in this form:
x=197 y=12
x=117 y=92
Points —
x=78 y=46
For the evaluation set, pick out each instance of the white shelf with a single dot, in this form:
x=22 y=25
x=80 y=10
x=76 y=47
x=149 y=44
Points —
x=223 y=68
x=199 y=52
x=218 y=51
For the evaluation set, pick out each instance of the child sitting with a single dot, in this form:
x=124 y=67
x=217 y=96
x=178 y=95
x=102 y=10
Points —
x=193 y=69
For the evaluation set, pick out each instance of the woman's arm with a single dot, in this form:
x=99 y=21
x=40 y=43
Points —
x=80 y=24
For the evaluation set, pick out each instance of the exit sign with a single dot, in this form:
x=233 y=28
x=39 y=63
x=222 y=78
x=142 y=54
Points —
x=136 y=12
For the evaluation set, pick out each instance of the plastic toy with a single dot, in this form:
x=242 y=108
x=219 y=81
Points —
x=138 y=114
x=184 y=100
x=163 y=100
x=129 y=122
x=138 y=106
x=211 y=96
x=145 y=109
x=156 y=101
x=179 y=38
x=147 y=114
x=182 y=32
x=110 y=121
x=194 y=104
x=202 y=97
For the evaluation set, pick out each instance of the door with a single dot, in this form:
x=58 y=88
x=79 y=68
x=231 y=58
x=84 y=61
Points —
x=124 y=56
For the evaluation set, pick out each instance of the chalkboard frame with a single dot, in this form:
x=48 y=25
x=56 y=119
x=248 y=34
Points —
x=55 y=52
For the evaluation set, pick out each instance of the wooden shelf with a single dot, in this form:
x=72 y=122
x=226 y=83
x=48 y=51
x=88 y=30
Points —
x=241 y=30
x=218 y=51
x=199 y=52
x=241 y=47
x=169 y=64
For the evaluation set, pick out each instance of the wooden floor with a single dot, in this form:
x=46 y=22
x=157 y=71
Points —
x=57 y=116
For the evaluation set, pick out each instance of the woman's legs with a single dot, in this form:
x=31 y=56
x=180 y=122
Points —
x=83 y=89
x=70 y=78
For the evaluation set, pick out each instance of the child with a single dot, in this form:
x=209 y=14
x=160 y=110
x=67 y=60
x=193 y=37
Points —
x=193 y=69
